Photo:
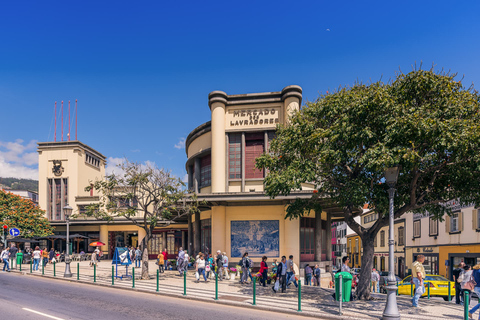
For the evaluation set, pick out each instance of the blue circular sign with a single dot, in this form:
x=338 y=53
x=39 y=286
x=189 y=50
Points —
x=14 y=232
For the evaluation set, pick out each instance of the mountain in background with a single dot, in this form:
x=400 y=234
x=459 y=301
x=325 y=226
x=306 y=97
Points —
x=19 y=184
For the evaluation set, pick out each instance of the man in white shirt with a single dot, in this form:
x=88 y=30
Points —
x=5 y=255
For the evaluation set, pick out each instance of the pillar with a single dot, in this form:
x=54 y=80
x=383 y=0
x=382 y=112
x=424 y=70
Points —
x=243 y=162
x=217 y=103
x=164 y=235
x=329 y=236
x=219 y=229
x=104 y=238
x=196 y=179
x=318 y=236
x=190 y=177
x=190 y=235
x=197 y=235
x=292 y=98
x=292 y=240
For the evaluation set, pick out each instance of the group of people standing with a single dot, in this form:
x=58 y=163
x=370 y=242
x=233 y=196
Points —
x=206 y=264
x=467 y=278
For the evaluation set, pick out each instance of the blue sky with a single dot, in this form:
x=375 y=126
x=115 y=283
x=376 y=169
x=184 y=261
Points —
x=142 y=71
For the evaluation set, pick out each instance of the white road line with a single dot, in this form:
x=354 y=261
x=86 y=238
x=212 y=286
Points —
x=42 y=314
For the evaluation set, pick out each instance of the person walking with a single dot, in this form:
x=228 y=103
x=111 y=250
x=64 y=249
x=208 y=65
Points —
x=138 y=257
x=281 y=275
x=5 y=255
x=161 y=263
x=37 y=255
x=264 y=271
x=467 y=277
x=45 y=257
x=180 y=259
x=291 y=272
x=345 y=267
x=186 y=260
x=274 y=265
x=51 y=255
x=456 y=278
x=418 y=274
x=19 y=257
x=316 y=276
x=200 y=267
x=13 y=253
x=245 y=264
x=93 y=261
x=308 y=275
x=225 y=265
x=219 y=263
x=375 y=277
x=476 y=278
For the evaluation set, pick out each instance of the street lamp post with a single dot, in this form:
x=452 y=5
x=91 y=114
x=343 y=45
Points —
x=391 y=308
x=67 y=211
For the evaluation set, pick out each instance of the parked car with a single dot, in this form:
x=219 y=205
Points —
x=383 y=281
x=438 y=286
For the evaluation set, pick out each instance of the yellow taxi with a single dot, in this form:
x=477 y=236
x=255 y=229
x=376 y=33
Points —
x=438 y=286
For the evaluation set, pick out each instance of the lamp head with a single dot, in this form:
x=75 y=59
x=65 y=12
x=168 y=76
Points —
x=391 y=175
x=67 y=210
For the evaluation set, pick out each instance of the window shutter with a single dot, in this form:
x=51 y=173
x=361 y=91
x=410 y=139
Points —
x=460 y=221
x=447 y=224
x=474 y=219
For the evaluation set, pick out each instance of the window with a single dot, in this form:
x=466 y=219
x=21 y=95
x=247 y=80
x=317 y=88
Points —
x=205 y=171
x=476 y=219
x=416 y=229
x=375 y=241
x=206 y=235
x=254 y=147
x=307 y=239
x=357 y=249
x=433 y=227
x=370 y=218
x=57 y=198
x=401 y=236
x=92 y=160
x=382 y=238
x=235 y=156
x=349 y=245
x=454 y=222
x=156 y=245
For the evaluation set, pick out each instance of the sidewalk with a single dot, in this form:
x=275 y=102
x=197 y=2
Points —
x=315 y=301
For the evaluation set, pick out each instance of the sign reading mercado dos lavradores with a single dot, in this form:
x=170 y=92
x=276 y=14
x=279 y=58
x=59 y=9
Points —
x=253 y=117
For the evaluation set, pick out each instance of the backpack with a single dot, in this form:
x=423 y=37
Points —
x=240 y=263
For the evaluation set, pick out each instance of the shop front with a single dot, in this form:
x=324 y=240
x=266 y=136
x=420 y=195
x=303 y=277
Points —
x=451 y=256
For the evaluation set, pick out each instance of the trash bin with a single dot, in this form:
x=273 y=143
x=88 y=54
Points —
x=346 y=286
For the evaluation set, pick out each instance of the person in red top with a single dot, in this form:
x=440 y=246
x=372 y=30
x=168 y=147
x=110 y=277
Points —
x=264 y=271
x=165 y=256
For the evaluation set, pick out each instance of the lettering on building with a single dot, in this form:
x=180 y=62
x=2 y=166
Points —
x=252 y=117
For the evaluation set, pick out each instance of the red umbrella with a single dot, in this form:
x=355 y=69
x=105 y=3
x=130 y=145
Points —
x=97 y=244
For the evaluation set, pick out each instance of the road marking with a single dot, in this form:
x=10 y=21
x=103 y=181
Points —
x=42 y=314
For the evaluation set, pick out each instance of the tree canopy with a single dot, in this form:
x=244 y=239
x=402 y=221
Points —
x=424 y=121
x=20 y=213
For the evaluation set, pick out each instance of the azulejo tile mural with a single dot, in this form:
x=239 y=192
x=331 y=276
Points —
x=257 y=237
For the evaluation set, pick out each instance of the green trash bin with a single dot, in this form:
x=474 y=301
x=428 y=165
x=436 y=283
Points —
x=346 y=287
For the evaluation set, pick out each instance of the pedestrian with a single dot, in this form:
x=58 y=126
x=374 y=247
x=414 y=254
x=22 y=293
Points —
x=274 y=266
x=281 y=276
x=219 y=263
x=165 y=257
x=210 y=264
x=186 y=260
x=131 y=251
x=19 y=257
x=180 y=258
x=98 y=253
x=93 y=261
x=5 y=255
x=466 y=284
x=138 y=257
x=291 y=272
x=13 y=253
x=264 y=271
x=345 y=267
x=245 y=264
x=308 y=275
x=458 y=287
x=225 y=265
x=161 y=263
x=45 y=257
x=200 y=267
x=316 y=275
x=51 y=255
x=375 y=277
x=476 y=278
x=418 y=275
x=37 y=255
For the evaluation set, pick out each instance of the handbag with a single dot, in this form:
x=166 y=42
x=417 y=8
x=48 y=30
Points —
x=207 y=268
x=277 y=285
x=469 y=285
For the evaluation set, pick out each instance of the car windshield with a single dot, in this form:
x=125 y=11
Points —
x=436 y=278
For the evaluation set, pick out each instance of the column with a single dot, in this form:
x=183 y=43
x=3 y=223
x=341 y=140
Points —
x=190 y=177
x=164 y=235
x=183 y=240
x=190 y=236
x=197 y=235
x=292 y=240
x=329 y=236
x=243 y=162
x=318 y=236
x=104 y=238
x=292 y=98
x=218 y=229
x=196 y=179
x=217 y=102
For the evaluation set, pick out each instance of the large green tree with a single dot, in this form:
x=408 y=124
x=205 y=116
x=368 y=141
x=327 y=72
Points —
x=20 y=213
x=424 y=121
x=144 y=194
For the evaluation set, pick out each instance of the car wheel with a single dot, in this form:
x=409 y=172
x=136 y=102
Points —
x=445 y=298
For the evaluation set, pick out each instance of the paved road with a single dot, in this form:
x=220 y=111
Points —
x=26 y=297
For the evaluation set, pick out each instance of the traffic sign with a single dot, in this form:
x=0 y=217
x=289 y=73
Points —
x=14 y=232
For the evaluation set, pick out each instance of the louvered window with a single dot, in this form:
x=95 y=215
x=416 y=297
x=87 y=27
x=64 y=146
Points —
x=254 y=147
x=235 y=156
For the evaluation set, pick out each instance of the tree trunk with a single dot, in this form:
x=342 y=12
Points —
x=363 y=289
x=144 y=248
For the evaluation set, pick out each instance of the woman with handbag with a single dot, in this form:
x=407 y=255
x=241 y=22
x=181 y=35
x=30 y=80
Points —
x=468 y=284
x=476 y=279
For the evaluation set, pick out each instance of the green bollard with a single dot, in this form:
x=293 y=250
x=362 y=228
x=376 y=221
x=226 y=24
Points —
x=216 y=287
x=300 y=295
x=397 y=288
x=428 y=290
x=78 y=270
x=133 y=277
x=449 y=292
x=411 y=288
x=113 y=275
x=158 y=271
x=254 y=291
x=94 y=272
x=184 y=283
x=31 y=264
x=21 y=266
x=54 y=270
x=43 y=268
x=466 y=303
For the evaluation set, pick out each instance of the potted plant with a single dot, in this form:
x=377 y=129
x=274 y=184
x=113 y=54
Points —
x=233 y=273
x=239 y=270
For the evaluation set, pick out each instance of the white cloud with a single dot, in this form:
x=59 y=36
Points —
x=185 y=178
x=135 y=150
x=328 y=29
x=112 y=166
x=180 y=144
x=16 y=161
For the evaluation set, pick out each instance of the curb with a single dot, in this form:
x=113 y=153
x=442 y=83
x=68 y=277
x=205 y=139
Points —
x=318 y=315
